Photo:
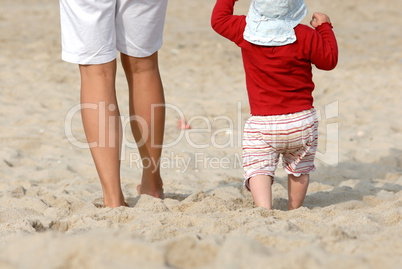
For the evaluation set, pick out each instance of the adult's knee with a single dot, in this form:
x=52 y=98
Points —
x=140 y=65
x=105 y=71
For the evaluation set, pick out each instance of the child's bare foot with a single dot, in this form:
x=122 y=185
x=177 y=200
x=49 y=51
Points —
x=155 y=193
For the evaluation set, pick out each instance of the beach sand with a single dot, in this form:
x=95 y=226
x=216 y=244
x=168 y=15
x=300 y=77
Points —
x=50 y=196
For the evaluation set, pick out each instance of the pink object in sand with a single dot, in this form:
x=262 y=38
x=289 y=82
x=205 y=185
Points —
x=183 y=124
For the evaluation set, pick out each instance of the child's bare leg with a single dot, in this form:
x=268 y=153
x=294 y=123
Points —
x=261 y=190
x=102 y=127
x=145 y=87
x=297 y=189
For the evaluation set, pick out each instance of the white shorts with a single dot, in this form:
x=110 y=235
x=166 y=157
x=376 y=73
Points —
x=93 y=30
x=265 y=138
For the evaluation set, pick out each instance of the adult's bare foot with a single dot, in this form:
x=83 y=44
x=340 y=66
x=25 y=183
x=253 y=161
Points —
x=155 y=193
x=115 y=205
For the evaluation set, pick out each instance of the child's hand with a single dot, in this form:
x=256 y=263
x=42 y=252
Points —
x=318 y=19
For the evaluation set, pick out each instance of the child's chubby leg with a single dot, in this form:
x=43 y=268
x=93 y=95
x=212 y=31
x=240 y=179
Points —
x=297 y=189
x=147 y=112
x=261 y=190
x=299 y=162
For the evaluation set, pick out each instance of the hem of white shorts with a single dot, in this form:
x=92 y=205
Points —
x=100 y=59
x=137 y=52
x=299 y=174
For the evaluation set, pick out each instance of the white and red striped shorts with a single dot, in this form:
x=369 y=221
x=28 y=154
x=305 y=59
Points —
x=265 y=138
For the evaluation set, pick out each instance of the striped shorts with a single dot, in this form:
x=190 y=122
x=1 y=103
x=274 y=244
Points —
x=265 y=138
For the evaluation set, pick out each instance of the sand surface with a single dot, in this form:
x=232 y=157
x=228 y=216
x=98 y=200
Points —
x=50 y=195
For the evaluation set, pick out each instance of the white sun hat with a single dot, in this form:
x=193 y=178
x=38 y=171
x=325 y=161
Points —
x=272 y=22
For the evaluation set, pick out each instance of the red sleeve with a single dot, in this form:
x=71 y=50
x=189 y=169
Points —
x=225 y=23
x=324 y=54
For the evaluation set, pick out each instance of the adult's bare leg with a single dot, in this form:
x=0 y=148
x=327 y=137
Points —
x=102 y=126
x=147 y=112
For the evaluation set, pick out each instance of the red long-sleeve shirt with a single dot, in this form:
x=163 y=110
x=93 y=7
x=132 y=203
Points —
x=279 y=79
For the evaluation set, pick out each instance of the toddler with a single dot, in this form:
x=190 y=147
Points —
x=278 y=53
